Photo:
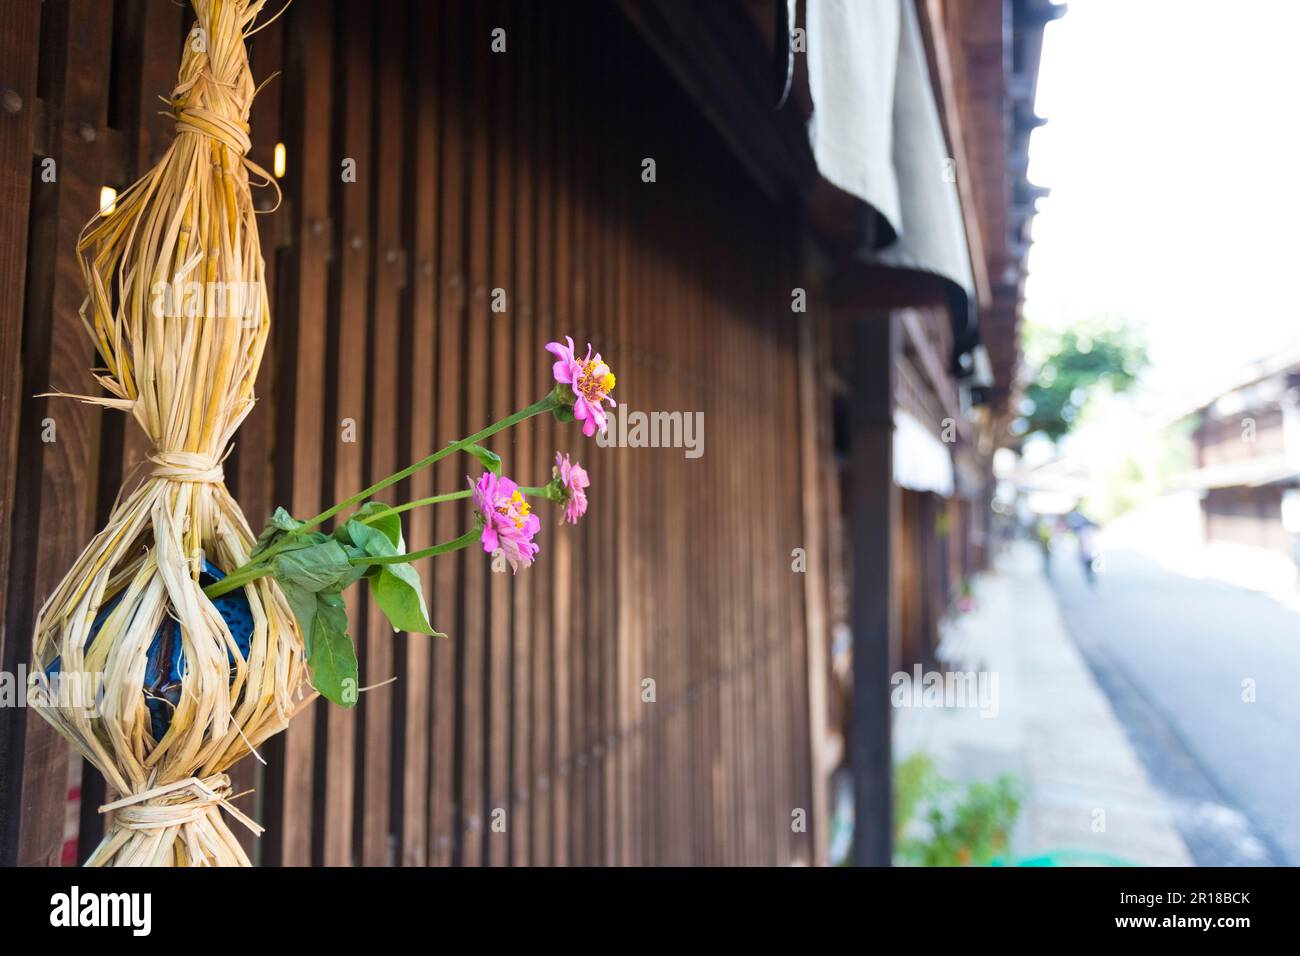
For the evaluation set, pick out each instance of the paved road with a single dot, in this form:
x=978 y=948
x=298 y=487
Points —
x=1177 y=656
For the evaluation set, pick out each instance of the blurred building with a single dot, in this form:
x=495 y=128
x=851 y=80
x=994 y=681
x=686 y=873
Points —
x=1247 y=459
x=921 y=217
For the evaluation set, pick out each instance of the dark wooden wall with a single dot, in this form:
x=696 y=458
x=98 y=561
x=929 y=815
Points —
x=1249 y=516
x=519 y=171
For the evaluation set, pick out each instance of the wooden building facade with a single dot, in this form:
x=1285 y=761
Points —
x=662 y=687
x=1246 y=461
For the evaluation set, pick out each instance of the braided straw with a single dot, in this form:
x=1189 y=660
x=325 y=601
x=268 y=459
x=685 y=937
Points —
x=177 y=307
x=185 y=814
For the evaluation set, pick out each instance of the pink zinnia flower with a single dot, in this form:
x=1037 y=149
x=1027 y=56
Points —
x=590 y=379
x=508 y=521
x=574 y=482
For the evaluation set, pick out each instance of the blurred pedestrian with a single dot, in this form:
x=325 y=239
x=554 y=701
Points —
x=1085 y=533
x=1044 y=531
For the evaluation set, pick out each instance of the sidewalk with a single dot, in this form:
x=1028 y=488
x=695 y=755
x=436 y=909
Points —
x=1085 y=790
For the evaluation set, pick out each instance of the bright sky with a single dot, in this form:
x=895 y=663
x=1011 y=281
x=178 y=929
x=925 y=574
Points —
x=1173 y=155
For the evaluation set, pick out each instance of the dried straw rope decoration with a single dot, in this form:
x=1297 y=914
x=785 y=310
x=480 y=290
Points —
x=185 y=369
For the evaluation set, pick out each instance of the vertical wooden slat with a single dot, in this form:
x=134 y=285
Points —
x=578 y=656
x=349 y=427
x=562 y=549
x=629 y=544
x=473 y=644
x=310 y=174
x=733 y=650
x=608 y=634
x=542 y=684
x=505 y=342
x=705 y=666
x=529 y=385
x=659 y=303
x=788 y=620
x=252 y=465
x=674 y=173
x=57 y=355
x=604 y=635
x=387 y=262
x=702 y=674
x=448 y=602
x=765 y=554
x=424 y=97
x=632 y=555
x=718 y=810
x=644 y=385
x=255 y=440
x=679 y=629
x=624 y=678
x=779 y=344
x=19 y=44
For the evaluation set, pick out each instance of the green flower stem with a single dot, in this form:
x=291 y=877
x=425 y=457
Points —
x=418 y=503
x=551 y=491
x=464 y=541
x=543 y=492
x=262 y=567
x=237 y=579
x=251 y=572
x=545 y=405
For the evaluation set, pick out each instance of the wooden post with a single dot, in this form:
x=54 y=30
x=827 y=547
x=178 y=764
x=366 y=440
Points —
x=872 y=496
x=812 y=460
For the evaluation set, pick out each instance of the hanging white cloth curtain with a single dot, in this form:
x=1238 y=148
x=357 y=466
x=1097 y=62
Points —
x=921 y=461
x=876 y=132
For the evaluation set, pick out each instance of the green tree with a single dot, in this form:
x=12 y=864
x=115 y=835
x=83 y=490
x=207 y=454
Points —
x=1070 y=365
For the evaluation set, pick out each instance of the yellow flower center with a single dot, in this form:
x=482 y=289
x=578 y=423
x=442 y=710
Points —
x=592 y=386
x=517 y=509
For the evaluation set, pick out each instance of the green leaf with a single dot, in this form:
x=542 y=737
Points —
x=284 y=521
x=395 y=587
x=488 y=459
x=355 y=572
x=303 y=604
x=331 y=655
x=280 y=524
x=390 y=525
x=563 y=413
x=317 y=566
x=312 y=573
x=369 y=540
x=400 y=596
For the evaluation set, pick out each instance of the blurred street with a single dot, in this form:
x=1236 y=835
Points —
x=1202 y=676
x=1088 y=800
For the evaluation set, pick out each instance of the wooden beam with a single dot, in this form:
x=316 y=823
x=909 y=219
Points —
x=941 y=71
x=936 y=369
x=860 y=286
x=723 y=64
